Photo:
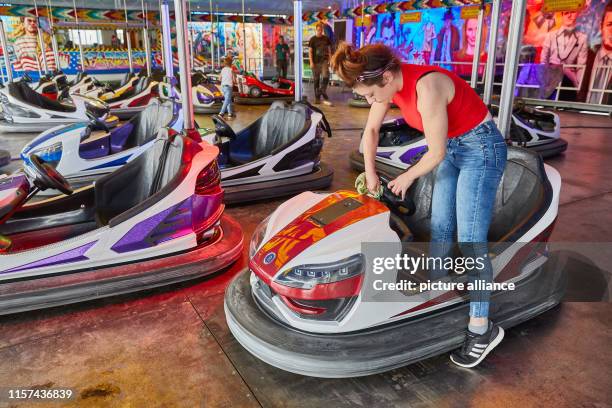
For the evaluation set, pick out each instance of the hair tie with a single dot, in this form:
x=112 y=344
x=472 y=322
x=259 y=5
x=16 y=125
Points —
x=374 y=73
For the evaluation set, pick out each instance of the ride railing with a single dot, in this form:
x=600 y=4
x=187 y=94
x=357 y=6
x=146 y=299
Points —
x=595 y=94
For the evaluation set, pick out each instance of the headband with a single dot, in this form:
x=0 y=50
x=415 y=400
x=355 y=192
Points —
x=374 y=73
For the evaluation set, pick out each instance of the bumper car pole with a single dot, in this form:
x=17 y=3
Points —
x=490 y=68
x=167 y=48
x=244 y=47
x=212 y=37
x=184 y=62
x=41 y=43
x=145 y=38
x=297 y=49
x=7 y=63
x=128 y=40
x=54 y=46
x=76 y=20
x=478 y=46
x=515 y=35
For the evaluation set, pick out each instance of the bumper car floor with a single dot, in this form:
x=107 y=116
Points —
x=172 y=347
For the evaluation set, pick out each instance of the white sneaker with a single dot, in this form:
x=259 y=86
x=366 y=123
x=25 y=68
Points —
x=328 y=103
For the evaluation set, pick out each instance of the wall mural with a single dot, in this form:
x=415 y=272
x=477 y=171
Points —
x=572 y=46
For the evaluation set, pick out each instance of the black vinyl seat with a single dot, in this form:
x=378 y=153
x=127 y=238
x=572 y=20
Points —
x=523 y=196
x=279 y=126
x=140 y=85
x=131 y=189
x=22 y=91
x=126 y=78
x=158 y=114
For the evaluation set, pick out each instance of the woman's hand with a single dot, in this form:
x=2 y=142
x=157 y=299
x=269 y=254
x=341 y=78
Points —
x=400 y=184
x=372 y=182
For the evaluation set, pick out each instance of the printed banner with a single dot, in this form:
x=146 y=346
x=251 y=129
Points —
x=551 y=6
x=410 y=18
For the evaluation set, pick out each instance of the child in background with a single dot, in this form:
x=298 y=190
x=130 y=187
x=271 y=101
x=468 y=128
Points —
x=227 y=84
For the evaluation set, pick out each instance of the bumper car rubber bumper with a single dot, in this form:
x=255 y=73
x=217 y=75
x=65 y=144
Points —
x=210 y=257
x=358 y=103
x=264 y=100
x=549 y=149
x=381 y=348
x=320 y=178
x=214 y=108
x=34 y=127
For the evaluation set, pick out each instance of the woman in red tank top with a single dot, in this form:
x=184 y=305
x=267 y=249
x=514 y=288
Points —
x=466 y=150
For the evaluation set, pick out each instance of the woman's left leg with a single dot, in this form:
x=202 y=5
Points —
x=482 y=160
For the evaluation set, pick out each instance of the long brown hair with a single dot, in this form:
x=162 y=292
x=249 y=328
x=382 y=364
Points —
x=350 y=63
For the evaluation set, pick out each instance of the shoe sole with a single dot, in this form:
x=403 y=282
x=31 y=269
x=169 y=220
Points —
x=492 y=345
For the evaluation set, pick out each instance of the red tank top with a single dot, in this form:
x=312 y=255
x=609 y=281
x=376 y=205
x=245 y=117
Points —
x=465 y=111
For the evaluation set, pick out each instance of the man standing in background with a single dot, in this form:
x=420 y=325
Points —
x=319 y=53
x=282 y=57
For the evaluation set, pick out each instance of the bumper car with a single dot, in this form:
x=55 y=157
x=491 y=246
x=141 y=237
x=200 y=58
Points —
x=82 y=84
x=25 y=110
x=535 y=129
x=156 y=221
x=135 y=98
x=278 y=154
x=400 y=145
x=206 y=96
x=125 y=84
x=83 y=152
x=305 y=303
x=252 y=91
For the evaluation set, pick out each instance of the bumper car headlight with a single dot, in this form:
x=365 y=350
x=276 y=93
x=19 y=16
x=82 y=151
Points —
x=258 y=236
x=307 y=276
x=50 y=154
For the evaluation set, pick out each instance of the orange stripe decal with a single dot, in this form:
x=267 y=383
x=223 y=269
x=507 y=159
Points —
x=302 y=232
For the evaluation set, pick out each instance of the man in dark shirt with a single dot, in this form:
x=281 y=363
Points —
x=319 y=52
x=282 y=57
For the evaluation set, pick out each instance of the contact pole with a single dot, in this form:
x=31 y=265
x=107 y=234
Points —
x=190 y=28
x=244 y=47
x=7 y=60
x=218 y=42
x=128 y=40
x=212 y=36
x=145 y=37
x=53 y=39
x=184 y=62
x=362 y=33
x=41 y=43
x=490 y=69
x=477 y=46
x=76 y=19
x=297 y=47
x=515 y=36
x=165 y=17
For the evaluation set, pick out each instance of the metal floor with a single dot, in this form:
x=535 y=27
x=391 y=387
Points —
x=172 y=348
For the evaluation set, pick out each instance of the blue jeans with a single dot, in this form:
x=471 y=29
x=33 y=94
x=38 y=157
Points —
x=227 y=100
x=463 y=198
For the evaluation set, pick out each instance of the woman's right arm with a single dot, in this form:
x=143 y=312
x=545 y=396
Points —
x=370 y=142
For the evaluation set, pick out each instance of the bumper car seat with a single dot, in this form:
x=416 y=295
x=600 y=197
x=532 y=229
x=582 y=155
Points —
x=24 y=93
x=132 y=188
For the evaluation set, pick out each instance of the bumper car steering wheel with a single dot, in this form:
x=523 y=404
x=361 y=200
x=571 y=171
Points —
x=404 y=208
x=222 y=129
x=47 y=177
